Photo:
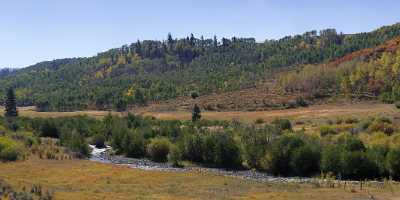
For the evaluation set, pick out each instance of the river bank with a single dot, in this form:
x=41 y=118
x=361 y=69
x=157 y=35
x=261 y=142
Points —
x=103 y=156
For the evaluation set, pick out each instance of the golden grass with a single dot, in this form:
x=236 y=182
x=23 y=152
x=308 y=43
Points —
x=30 y=112
x=359 y=110
x=313 y=112
x=78 y=179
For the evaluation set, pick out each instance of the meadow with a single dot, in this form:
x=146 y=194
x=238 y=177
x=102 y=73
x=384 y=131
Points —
x=326 y=111
x=80 y=179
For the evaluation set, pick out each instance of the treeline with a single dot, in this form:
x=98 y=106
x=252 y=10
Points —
x=157 y=70
x=346 y=148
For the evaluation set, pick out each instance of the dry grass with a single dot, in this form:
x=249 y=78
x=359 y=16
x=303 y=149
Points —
x=77 y=179
x=30 y=112
x=359 y=110
x=313 y=112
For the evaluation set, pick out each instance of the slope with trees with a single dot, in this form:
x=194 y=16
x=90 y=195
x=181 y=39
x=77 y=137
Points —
x=157 y=70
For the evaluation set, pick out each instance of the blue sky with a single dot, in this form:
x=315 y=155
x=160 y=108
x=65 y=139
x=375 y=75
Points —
x=36 y=30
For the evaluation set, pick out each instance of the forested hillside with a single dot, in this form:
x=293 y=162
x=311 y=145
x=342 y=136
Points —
x=157 y=70
x=369 y=73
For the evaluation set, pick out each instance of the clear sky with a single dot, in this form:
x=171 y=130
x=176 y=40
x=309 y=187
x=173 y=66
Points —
x=36 y=30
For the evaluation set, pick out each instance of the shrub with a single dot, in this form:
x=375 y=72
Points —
x=117 y=132
x=393 y=163
x=351 y=120
x=377 y=154
x=226 y=151
x=349 y=142
x=339 y=121
x=76 y=143
x=208 y=148
x=194 y=94
x=383 y=120
x=193 y=147
x=327 y=130
x=175 y=156
x=356 y=165
x=349 y=159
x=255 y=142
x=134 y=145
x=364 y=124
x=305 y=160
x=259 y=121
x=158 y=149
x=49 y=129
x=382 y=126
x=279 y=157
x=330 y=160
x=282 y=124
x=10 y=150
x=99 y=141
x=300 y=101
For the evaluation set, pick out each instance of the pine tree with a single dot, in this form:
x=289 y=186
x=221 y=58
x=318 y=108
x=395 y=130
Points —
x=196 y=114
x=11 y=104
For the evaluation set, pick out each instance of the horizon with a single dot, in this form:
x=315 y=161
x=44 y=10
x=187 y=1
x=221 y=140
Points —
x=46 y=30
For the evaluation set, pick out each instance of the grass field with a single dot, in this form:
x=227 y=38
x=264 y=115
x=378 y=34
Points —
x=312 y=112
x=79 y=179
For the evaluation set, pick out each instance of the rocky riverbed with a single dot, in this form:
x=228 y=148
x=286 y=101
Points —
x=103 y=156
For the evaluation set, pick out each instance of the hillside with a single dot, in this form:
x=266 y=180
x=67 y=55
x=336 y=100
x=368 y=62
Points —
x=372 y=73
x=153 y=71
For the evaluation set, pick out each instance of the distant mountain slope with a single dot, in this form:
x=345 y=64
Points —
x=158 y=70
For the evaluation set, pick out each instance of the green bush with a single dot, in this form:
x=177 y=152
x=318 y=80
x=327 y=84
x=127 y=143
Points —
x=280 y=155
x=393 y=163
x=75 y=142
x=300 y=101
x=99 y=141
x=377 y=154
x=134 y=145
x=259 y=121
x=10 y=150
x=117 y=133
x=351 y=120
x=330 y=160
x=226 y=151
x=216 y=149
x=282 y=124
x=193 y=145
x=49 y=129
x=327 y=130
x=350 y=159
x=175 y=156
x=158 y=149
x=356 y=165
x=255 y=142
x=305 y=160
x=350 y=142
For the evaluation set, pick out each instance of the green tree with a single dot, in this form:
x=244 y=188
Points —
x=11 y=104
x=196 y=114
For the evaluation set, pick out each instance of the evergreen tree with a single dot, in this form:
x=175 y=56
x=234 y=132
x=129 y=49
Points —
x=11 y=104
x=196 y=114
